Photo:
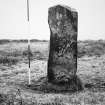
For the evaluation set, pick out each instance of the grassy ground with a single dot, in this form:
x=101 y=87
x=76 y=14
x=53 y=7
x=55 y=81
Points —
x=14 y=75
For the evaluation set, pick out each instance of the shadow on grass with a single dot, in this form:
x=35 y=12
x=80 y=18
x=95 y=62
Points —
x=42 y=85
x=98 y=86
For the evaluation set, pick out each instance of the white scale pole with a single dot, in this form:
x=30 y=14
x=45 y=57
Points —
x=28 y=26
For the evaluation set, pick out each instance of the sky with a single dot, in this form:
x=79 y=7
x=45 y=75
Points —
x=14 y=25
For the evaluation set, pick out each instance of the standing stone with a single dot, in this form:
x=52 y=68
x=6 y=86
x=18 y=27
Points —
x=62 y=62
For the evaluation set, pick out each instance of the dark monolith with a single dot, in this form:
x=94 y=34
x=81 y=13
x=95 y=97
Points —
x=62 y=62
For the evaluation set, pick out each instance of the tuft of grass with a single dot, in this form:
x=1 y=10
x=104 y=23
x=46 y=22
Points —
x=12 y=99
x=91 y=48
x=10 y=60
x=17 y=99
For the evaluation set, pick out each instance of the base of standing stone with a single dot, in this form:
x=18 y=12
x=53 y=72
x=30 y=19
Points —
x=43 y=85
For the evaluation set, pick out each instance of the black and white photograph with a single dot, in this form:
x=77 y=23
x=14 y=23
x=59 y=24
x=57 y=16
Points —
x=52 y=52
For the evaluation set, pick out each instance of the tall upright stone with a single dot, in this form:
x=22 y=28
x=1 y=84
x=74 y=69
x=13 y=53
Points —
x=62 y=62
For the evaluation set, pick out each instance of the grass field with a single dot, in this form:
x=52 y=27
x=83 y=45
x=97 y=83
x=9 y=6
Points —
x=14 y=74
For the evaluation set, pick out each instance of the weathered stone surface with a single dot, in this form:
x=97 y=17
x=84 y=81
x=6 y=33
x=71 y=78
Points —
x=62 y=62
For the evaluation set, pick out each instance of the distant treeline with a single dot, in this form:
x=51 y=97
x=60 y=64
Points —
x=37 y=40
x=4 y=41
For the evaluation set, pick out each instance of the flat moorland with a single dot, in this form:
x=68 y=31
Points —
x=14 y=74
